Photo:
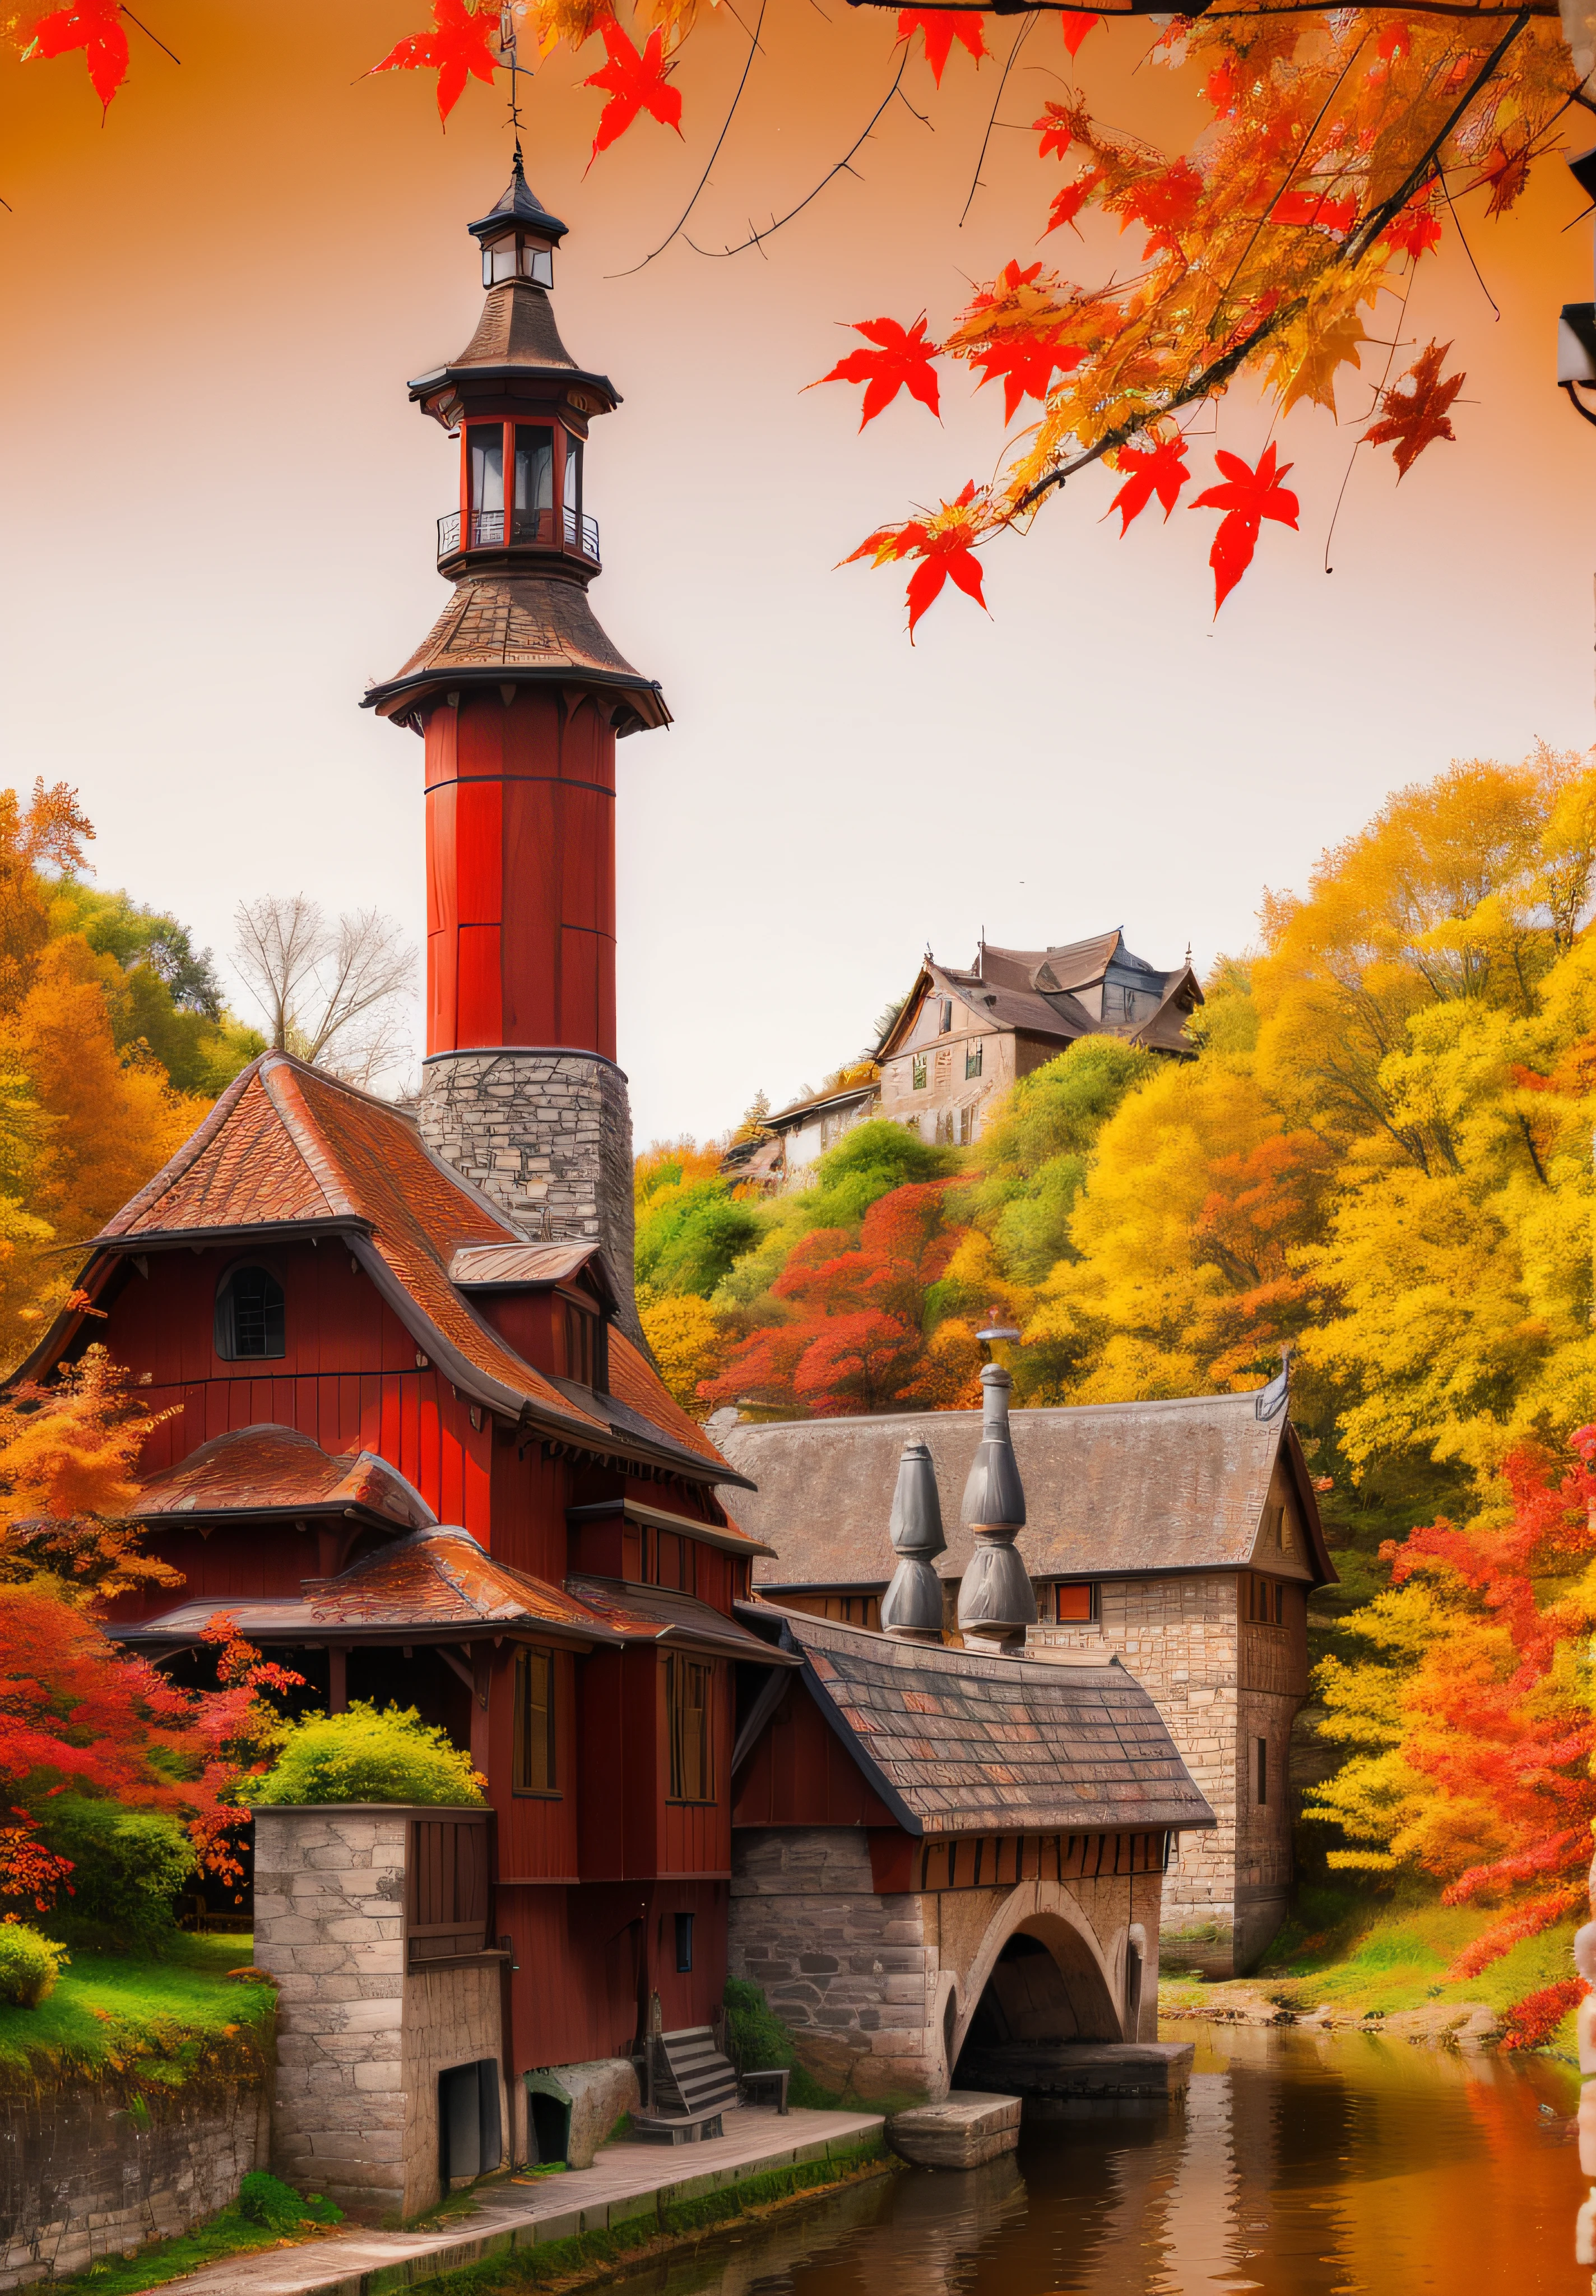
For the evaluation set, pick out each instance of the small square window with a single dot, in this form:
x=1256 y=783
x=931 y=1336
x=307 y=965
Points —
x=972 y=1061
x=683 y=1944
x=919 y=1072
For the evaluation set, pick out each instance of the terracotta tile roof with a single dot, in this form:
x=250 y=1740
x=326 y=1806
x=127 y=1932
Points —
x=1116 y=1487
x=956 y=1742
x=492 y=1267
x=269 y=1468
x=438 y=1580
x=311 y=1149
x=659 y=1614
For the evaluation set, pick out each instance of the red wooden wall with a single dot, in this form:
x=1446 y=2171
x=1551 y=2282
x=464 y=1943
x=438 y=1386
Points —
x=520 y=872
x=801 y=1773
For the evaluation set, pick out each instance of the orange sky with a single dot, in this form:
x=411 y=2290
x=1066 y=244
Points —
x=220 y=506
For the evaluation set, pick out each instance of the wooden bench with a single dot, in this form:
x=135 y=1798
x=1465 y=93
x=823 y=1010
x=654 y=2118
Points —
x=693 y=2084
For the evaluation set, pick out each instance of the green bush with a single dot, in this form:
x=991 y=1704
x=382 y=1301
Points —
x=760 y=2041
x=367 y=1756
x=29 y=1965
x=264 y=2199
x=128 y=1866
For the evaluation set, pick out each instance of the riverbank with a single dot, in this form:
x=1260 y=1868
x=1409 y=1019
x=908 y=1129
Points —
x=637 y=2201
x=1385 y=1968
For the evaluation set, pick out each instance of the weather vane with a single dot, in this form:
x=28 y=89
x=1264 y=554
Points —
x=510 y=58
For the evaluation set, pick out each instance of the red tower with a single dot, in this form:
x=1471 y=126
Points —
x=520 y=695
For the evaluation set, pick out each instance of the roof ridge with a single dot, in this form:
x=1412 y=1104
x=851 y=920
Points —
x=298 y=1122
x=184 y=1159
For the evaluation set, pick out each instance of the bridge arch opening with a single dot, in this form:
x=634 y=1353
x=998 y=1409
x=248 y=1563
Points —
x=1044 y=1987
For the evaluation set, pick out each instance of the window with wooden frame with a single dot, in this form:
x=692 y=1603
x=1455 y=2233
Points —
x=250 y=1322
x=534 y=1769
x=945 y=1018
x=972 y=1061
x=918 y=1071
x=1264 y=1600
x=688 y=1718
x=581 y=1350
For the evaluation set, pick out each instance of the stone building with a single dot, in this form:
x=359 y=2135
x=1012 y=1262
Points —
x=932 y=1847
x=964 y=1036
x=1183 y=1537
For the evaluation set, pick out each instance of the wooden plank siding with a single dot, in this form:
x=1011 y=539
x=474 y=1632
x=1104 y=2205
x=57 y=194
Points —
x=800 y=1774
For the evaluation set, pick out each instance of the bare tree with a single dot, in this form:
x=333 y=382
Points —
x=333 y=993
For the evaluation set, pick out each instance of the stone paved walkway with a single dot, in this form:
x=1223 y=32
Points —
x=626 y=2180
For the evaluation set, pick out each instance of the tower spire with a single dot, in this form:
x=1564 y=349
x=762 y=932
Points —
x=995 y=1601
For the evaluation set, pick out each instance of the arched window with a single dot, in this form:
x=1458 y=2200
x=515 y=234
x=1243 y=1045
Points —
x=249 y=1322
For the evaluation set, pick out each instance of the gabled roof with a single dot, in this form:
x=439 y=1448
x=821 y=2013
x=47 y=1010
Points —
x=957 y=1743
x=289 y=1151
x=797 y=1112
x=273 y=1470
x=528 y=1267
x=438 y=1585
x=1034 y=992
x=659 y=1614
x=1110 y=1489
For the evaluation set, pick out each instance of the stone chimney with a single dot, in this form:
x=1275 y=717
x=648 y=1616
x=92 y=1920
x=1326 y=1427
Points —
x=912 y=1606
x=995 y=1601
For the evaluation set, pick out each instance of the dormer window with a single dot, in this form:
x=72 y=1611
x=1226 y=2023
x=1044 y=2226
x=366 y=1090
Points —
x=249 y=1320
x=515 y=256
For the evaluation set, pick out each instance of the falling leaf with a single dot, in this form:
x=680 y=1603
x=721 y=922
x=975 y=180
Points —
x=1412 y=419
x=943 y=544
x=941 y=28
x=1076 y=23
x=1160 y=469
x=1069 y=202
x=1057 y=129
x=637 y=83
x=1307 y=367
x=1246 y=496
x=95 y=28
x=1316 y=209
x=458 y=47
x=1416 y=230
x=903 y=362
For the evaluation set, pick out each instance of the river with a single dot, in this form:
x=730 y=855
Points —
x=1300 y=2165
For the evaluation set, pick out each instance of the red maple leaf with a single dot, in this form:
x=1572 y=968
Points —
x=1069 y=202
x=95 y=27
x=1165 y=202
x=1056 y=128
x=1076 y=23
x=902 y=363
x=1158 y=470
x=1416 y=230
x=1026 y=363
x=637 y=83
x=1412 y=419
x=942 y=27
x=1316 y=209
x=1506 y=173
x=1246 y=496
x=942 y=544
x=458 y=47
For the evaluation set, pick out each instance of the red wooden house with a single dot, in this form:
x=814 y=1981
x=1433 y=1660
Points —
x=414 y=1442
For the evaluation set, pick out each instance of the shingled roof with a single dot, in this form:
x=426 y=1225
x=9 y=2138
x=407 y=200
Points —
x=1034 y=991
x=273 y=1470
x=289 y=1150
x=955 y=1743
x=1110 y=1489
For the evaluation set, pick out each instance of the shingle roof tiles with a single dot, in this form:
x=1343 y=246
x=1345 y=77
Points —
x=1021 y=1744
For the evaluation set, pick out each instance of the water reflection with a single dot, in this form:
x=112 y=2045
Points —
x=1303 y=2165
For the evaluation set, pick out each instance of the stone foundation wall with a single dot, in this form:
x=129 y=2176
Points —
x=83 y=2177
x=548 y=1135
x=360 y=2039
x=864 y=1980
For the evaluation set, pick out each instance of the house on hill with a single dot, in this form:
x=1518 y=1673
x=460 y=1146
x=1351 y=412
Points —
x=1182 y=1536
x=962 y=1035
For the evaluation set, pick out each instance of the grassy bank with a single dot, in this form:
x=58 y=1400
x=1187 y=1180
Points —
x=142 y=2025
x=1369 y=1960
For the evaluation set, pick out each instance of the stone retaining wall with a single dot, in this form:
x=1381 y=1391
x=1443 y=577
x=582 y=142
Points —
x=84 y=2176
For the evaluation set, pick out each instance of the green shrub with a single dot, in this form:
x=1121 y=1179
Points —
x=760 y=2041
x=128 y=1866
x=265 y=2200
x=367 y=1756
x=29 y=1965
